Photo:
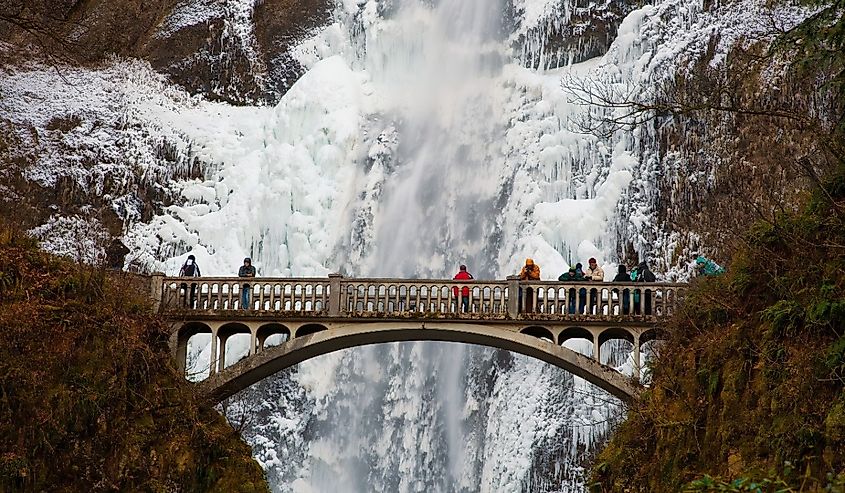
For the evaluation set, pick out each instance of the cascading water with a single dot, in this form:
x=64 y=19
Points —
x=412 y=144
x=440 y=67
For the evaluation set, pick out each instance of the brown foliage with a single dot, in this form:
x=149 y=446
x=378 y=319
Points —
x=89 y=397
x=752 y=380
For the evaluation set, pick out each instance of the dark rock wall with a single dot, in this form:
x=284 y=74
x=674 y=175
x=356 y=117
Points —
x=205 y=58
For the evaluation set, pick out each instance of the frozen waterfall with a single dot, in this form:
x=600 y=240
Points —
x=416 y=140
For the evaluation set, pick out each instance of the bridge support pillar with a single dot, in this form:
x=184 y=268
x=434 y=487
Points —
x=212 y=358
x=335 y=294
x=253 y=340
x=222 y=361
x=156 y=281
x=636 y=357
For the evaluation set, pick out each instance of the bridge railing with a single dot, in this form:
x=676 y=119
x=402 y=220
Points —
x=356 y=297
x=266 y=294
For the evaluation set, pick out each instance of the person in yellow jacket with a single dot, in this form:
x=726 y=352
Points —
x=530 y=272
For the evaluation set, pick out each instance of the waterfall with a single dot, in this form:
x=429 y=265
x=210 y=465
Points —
x=416 y=141
x=439 y=66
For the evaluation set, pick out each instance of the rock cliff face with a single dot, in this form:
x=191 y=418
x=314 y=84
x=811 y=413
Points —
x=577 y=32
x=233 y=51
x=224 y=51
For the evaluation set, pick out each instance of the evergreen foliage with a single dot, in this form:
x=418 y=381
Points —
x=89 y=397
x=751 y=384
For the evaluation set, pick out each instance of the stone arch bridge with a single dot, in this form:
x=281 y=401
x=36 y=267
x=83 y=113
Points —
x=291 y=320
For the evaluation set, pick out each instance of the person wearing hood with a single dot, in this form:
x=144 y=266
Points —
x=622 y=276
x=190 y=269
x=530 y=272
x=246 y=270
x=644 y=274
x=706 y=267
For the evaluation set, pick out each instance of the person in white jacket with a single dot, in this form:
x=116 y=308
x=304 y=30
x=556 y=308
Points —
x=594 y=273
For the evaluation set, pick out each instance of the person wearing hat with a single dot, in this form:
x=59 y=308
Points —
x=463 y=275
x=246 y=270
x=190 y=269
x=594 y=273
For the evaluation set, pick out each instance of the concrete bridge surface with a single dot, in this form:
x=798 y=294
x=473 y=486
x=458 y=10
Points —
x=291 y=320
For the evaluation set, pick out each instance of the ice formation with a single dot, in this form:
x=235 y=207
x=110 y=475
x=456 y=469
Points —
x=420 y=137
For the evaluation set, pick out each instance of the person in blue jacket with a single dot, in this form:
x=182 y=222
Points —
x=706 y=267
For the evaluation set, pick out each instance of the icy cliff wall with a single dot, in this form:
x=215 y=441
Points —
x=378 y=162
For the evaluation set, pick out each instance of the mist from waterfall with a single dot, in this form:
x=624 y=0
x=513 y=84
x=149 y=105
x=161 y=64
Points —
x=415 y=141
x=439 y=68
x=436 y=67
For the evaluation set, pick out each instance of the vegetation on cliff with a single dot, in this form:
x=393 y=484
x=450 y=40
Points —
x=748 y=393
x=89 y=397
x=751 y=383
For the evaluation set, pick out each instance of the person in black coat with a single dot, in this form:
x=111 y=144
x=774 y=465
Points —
x=622 y=276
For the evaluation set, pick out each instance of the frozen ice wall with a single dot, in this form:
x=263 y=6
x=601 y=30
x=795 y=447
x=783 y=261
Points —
x=418 y=140
x=414 y=142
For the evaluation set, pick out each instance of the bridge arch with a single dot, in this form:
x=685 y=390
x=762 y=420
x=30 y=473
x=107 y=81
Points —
x=228 y=331
x=267 y=331
x=183 y=336
x=653 y=334
x=612 y=333
x=241 y=375
x=575 y=333
x=309 y=329
x=538 y=332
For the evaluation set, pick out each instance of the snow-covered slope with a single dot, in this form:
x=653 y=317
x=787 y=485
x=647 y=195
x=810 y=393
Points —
x=420 y=137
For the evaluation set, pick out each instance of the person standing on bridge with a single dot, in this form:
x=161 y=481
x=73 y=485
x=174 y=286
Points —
x=190 y=269
x=246 y=270
x=463 y=275
x=622 y=276
x=530 y=272
x=572 y=276
x=594 y=273
x=644 y=274
x=706 y=267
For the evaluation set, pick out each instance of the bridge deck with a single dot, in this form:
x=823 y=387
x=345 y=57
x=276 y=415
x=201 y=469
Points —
x=316 y=316
x=420 y=298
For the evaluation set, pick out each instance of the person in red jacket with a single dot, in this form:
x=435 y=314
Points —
x=463 y=275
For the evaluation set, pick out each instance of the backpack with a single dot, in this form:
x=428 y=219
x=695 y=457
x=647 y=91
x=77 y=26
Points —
x=648 y=276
